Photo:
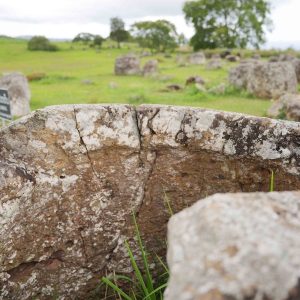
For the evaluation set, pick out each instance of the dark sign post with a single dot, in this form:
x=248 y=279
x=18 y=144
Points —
x=5 y=112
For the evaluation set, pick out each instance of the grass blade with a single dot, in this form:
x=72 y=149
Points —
x=116 y=288
x=136 y=269
x=272 y=181
x=156 y=290
x=149 y=279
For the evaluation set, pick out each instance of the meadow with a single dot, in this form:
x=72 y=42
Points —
x=79 y=74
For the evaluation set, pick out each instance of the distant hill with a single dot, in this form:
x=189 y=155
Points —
x=28 y=37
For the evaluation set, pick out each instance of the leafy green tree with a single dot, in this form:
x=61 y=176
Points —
x=157 y=35
x=84 y=37
x=98 y=40
x=117 y=31
x=40 y=43
x=228 y=23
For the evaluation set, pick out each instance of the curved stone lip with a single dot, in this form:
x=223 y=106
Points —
x=150 y=125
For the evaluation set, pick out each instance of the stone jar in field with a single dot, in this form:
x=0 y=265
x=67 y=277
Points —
x=127 y=65
x=71 y=176
x=150 y=68
x=197 y=58
x=18 y=91
x=265 y=80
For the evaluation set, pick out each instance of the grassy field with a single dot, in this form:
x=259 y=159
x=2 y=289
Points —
x=67 y=69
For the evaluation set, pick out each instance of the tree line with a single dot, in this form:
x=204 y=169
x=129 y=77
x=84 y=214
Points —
x=217 y=24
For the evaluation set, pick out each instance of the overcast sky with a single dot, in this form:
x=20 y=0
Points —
x=66 y=18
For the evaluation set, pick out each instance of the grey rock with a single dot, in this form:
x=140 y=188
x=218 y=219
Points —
x=150 y=68
x=18 y=91
x=286 y=107
x=236 y=246
x=264 y=80
x=127 y=65
x=197 y=58
x=214 y=64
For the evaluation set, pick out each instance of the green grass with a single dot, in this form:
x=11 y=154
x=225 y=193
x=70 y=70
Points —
x=68 y=68
x=143 y=286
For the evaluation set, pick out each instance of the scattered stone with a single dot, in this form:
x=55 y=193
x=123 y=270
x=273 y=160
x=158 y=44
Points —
x=87 y=82
x=200 y=87
x=264 y=80
x=225 y=53
x=219 y=89
x=18 y=91
x=236 y=246
x=214 y=64
x=127 y=65
x=174 y=87
x=232 y=58
x=71 y=176
x=150 y=68
x=36 y=76
x=195 y=79
x=197 y=58
x=286 y=107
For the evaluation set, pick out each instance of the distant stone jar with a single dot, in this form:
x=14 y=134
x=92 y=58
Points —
x=127 y=65
x=150 y=68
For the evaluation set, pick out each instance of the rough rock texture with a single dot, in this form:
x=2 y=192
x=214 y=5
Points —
x=150 y=68
x=197 y=58
x=19 y=93
x=127 y=65
x=265 y=80
x=236 y=246
x=286 y=107
x=71 y=176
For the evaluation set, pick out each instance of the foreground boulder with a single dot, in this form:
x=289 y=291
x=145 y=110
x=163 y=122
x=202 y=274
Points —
x=18 y=91
x=286 y=107
x=265 y=80
x=72 y=175
x=127 y=65
x=236 y=246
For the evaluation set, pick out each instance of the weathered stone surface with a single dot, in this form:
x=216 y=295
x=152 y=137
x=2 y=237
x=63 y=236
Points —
x=150 y=68
x=265 y=80
x=71 y=176
x=127 y=65
x=286 y=107
x=19 y=93
x=197 y=58
x=236 y=246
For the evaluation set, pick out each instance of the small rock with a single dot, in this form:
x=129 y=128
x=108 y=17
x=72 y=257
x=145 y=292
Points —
x=232 y=58
x=174 y=87
x=113 y=85
x=194 y=80
x=87 y=82
x=219 y=89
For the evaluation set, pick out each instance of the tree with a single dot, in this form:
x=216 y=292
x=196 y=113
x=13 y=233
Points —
x=227 y=23
x=117 y=31
x=157 y=35
x=40 y=43
x=84 y=37
x=98 y=40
